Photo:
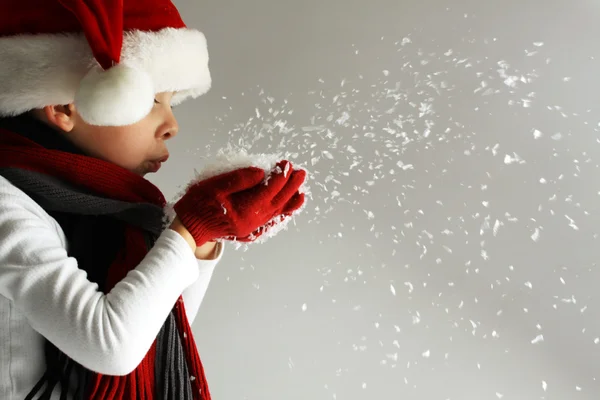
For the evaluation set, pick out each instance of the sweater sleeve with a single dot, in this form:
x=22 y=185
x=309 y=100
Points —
x=194 y=294
x=107 y=333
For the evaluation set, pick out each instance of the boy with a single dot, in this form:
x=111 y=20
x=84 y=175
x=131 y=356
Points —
x=96 y=297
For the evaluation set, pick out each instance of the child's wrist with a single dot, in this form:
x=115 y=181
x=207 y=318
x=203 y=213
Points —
x=178 y=227
x=207 y=251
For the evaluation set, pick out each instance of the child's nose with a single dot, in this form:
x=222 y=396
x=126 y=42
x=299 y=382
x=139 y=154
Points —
x=170 y=128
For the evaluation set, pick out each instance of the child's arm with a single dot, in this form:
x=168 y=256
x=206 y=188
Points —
x=194 y=294
x=208 y=255
x=108 y=333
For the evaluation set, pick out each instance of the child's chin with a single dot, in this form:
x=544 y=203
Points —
x=141 y=171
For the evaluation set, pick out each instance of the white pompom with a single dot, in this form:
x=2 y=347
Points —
x=118 y=96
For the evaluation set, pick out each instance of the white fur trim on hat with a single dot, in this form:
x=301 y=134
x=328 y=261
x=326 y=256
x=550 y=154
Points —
x=42 y=70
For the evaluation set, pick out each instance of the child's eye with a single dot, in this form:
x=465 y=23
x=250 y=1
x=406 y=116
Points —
x=156 y=101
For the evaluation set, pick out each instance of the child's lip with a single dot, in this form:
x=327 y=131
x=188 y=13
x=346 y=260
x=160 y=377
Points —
x=163 y=159
x=154 y=166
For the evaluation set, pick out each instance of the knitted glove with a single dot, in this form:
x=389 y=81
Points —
x=240 y=204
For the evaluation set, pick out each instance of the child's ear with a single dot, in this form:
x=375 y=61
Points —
x=63 y=117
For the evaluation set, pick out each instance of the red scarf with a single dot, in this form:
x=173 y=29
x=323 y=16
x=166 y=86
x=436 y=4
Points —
x=110 y=181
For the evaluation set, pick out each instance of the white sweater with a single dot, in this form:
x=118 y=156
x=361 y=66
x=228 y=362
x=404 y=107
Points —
x=44 y=294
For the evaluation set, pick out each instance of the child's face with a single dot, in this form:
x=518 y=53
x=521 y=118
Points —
x=140 y=147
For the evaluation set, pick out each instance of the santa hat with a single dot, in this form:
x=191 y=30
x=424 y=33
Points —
x=109 y=57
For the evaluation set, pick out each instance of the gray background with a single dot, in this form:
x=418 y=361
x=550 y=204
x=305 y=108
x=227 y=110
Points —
x=450 y=248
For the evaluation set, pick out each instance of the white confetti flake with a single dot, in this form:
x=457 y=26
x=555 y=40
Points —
x=496 y=227
x=404 y=167
x=508 y=159
x=538 y=339
x=511 y=81
x=327 y=154
x=536 y=235
x=572 y=223
x=343 y=119
x=484 y=254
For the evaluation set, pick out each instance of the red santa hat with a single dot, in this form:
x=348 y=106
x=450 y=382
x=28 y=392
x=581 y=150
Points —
x=108 y=57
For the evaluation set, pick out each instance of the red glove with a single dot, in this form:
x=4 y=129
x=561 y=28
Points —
x=238 y=204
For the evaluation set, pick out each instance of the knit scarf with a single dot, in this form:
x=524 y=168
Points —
x=100 y=205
